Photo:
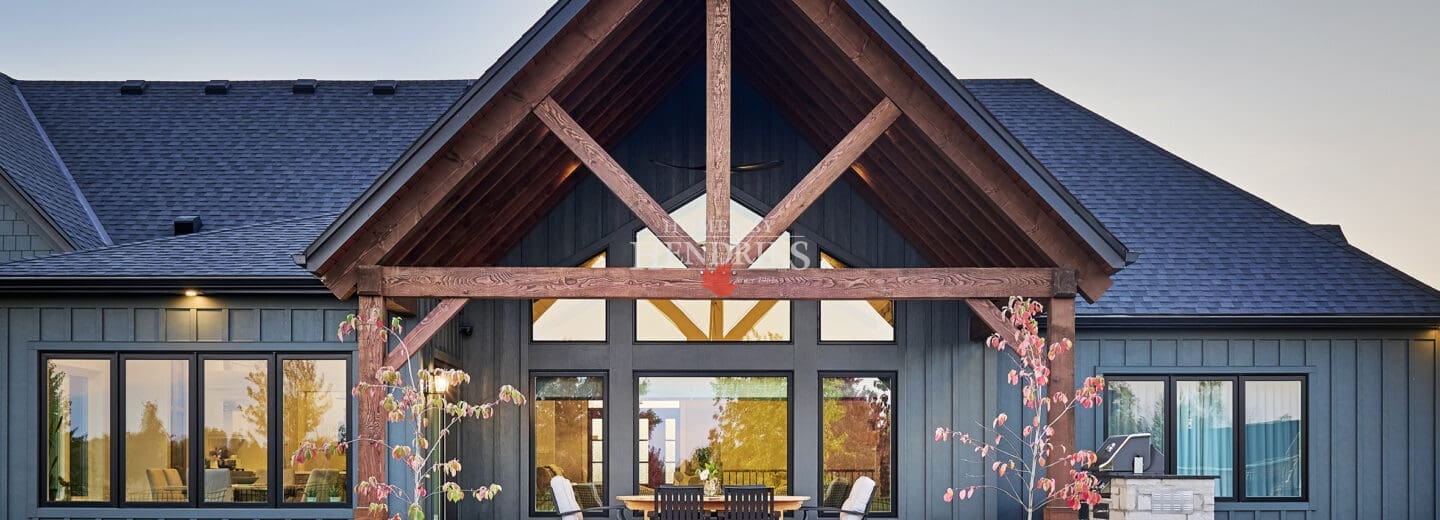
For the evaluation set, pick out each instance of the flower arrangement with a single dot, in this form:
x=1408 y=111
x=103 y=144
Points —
x=1027 y=455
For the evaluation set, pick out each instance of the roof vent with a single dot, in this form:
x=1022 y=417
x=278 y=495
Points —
x=217 y=87
x=186 y=225
x=384 y=87
x=133 y=87
x=304 y=86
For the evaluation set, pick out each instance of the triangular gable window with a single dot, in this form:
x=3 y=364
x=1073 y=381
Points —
x=851 y=320
x=569 y=320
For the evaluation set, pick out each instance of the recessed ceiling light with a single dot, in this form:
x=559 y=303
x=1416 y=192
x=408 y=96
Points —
x=192 y=292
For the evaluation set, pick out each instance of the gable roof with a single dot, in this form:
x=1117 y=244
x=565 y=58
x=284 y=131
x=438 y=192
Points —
x=248 y=256
x=256 y=154
x=1205 y=246
x=30 y=165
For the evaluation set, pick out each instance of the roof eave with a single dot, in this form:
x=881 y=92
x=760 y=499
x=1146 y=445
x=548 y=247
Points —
x=211 y=285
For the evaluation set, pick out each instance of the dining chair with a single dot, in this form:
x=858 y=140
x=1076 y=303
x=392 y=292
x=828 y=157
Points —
x=749 y=503
x=679 y=503
x=569 y=509
x=856 y=506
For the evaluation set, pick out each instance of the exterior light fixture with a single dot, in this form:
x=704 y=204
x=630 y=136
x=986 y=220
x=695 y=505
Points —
x=192 y=292
x=441 y=384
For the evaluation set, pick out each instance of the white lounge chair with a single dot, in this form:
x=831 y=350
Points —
x=856 y=506
x=569 y=508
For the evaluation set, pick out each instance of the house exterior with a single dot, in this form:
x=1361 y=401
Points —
x=177 y=255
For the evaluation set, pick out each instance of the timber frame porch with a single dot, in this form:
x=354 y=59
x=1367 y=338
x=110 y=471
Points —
x=391 y=244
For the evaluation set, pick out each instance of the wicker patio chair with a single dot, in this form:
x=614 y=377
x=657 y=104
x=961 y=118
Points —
x=856 y=506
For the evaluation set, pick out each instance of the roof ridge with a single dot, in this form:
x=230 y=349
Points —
x=84 y=202
x=40 y=259
x=1261 y=202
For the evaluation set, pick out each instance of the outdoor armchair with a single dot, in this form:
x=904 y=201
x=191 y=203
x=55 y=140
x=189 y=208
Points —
x=569 y=509
x=856 y=506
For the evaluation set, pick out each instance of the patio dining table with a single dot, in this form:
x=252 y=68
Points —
x=646 y=503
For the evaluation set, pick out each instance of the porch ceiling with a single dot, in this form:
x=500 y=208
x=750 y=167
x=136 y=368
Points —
x=950 y=212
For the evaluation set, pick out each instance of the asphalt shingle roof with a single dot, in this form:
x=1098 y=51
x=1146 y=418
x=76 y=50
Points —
x=257 y=154
x=27 y=162
x=256 y=250
x=1205 y=246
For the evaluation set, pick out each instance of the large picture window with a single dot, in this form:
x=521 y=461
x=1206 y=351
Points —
x=1216 y=424
x=740 y=423
x=857 y=427
x=569 y=438
x=234 y=404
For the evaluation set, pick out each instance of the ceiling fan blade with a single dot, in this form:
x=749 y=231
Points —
x=739 y=168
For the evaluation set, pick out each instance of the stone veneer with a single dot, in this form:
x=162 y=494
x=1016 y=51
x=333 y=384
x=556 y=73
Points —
x=1154 y=497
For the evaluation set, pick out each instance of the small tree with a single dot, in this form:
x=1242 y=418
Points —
x=1025 y=456
x=417 y=400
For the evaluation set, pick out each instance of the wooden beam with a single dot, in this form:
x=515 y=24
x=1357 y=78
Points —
x=402 y=306
x=942 y=126
x=427 y=192
x=369 y=452
x=426 y=329
x=805 y=193
x=1060 y=325
x=620 y=182
x=717 y=132
x=625 y=283
x=993 y=318
x=750 y=319
x=682 y=321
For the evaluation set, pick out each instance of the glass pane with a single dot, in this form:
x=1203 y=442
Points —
x=701 y=320
x=1136 y=407
x=236 y=412
x=569 y=320
x=740 y=424
x=1204 y=431
x=157 y=430
x=851 y=320
x=1274 y=433
x=855 y=437
x=77 y=410
x=570 y=438
x=312 y=409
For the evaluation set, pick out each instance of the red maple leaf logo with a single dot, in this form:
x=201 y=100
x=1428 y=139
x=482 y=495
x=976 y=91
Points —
x=719 y=281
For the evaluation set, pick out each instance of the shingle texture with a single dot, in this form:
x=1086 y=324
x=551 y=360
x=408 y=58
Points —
x=257 y=250
x=1206 y=247
x=27 y=162
x=259 y=153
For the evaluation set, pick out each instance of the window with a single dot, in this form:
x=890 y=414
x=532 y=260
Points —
x=710 y=320
x=740 y=423
x=233 y=404
x=1217 y=424
x=569 y=320
x=569 y=438
x=77 y=442
x=857 y=425
x=850 y=320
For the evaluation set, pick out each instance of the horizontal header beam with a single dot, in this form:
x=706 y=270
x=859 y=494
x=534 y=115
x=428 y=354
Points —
x=625 y=283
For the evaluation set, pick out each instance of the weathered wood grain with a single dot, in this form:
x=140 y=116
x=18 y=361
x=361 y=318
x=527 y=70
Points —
x=717 y=131
x=369 y=455
x=750 y=284
x=620 y=182
x=835 y=163
x=988 y=313
x=426 y=329
x=1060 y=324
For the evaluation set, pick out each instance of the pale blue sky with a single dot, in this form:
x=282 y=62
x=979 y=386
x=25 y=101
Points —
x=1326 y=108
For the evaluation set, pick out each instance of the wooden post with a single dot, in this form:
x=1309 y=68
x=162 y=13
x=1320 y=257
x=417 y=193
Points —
x=1060 y=325
x=717 y=132
x=369 y=455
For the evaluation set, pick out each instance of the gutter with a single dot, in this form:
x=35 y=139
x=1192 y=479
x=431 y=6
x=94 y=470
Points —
x=1258 y=321
x=209 y=285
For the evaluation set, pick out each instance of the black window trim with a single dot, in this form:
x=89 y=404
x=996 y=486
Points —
x=604 y=376
x=274 y=443
x=893 y=378
x=1238 y=410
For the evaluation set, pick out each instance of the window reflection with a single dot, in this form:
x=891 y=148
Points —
x=1274 y=434
x=157 y=430
x=312 y=409
x=236 y=395
x=570 y=438
x=1136 y=407
x=739 y=423
x=857 y=425
x=78 y=430
x=711 y=320
x=1204 y=431
x=855 y=320
x=569 y=320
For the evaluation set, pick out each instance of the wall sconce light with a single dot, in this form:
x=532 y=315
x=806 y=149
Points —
x=192 y=292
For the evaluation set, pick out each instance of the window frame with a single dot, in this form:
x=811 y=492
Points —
x=529 y=325
x=604 y=376
x=1238 y=424
x=894 y=340
x=274 y=458
x=893 y=378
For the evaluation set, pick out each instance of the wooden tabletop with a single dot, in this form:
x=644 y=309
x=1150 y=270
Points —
x=646 y=503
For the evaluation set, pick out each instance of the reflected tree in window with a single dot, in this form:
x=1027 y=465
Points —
x=78 y=428
x=856 y=428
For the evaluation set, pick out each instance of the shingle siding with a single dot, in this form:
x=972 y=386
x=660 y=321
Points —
x=18 y=240
x=28 y=162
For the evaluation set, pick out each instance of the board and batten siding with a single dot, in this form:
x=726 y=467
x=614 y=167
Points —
x=30 y=325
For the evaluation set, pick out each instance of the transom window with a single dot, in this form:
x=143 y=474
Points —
x=242 y=407
x=1215 y=424
x=851 y=320
x=569 y=320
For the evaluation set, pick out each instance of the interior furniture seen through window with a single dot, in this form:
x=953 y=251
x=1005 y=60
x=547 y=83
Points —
x=1216 y=424
x=569 y=320
x=235 y=404
x=569 y=438
x=740 y=423
x=857 y=429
